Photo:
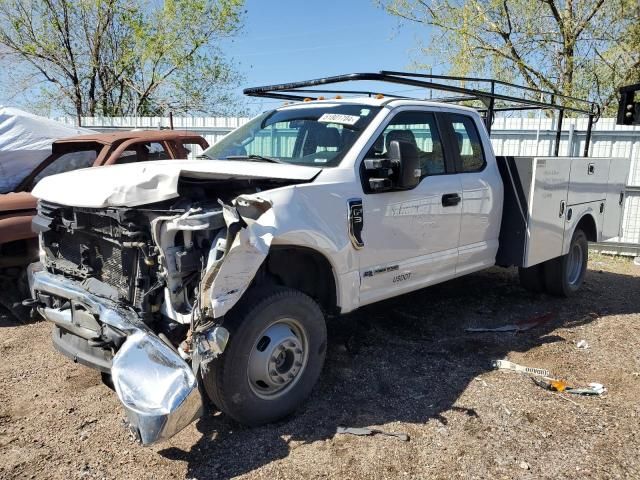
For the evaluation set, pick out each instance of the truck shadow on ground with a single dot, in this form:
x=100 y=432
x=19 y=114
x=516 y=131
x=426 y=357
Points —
x=407 y=360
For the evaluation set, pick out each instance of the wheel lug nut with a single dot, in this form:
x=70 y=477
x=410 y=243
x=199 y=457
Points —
x=298 y=351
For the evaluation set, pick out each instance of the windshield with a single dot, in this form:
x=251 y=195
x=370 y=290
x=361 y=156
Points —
x=312 y=135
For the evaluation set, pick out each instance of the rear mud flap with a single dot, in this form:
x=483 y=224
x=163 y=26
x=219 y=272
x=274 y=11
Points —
x=157 y=387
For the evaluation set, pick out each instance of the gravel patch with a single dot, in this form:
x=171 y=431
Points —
x=405 y=365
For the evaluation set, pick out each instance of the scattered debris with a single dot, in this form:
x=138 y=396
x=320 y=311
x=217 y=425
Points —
x=364 y=431
x=507 y=365
x=561 y=386
x=524 y=466
x=522 y=326
x=582 y=344
x=547 y=382
x=551 y=384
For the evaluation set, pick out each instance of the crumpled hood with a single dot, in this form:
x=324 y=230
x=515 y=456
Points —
x=134 y=184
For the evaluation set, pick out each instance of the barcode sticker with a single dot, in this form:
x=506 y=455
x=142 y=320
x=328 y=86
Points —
x=339 y=119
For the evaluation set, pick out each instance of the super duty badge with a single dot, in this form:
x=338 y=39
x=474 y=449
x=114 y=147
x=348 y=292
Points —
x=356 y=222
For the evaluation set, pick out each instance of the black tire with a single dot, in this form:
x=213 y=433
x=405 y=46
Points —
x=532 y=278
x=107 y=380
x=564 y=275
x=14 y=288
x=227 y=379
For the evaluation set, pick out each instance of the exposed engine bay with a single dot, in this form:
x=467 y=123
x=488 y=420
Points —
x=153 y=259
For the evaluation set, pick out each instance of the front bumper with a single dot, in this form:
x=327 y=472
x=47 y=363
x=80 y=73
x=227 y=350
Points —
x=157 y=388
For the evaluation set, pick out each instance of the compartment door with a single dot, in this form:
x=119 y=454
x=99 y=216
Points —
x=614 y=201
x=588 y=180
x=547 y=209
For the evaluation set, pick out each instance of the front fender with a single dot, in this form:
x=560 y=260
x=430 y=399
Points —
x=295 y=216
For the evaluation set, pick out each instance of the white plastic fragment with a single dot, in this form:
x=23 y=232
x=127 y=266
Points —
x=593 y=389
x=582 y=344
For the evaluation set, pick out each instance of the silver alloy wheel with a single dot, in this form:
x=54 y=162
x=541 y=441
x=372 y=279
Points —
x=278 y=358
x=574 y=264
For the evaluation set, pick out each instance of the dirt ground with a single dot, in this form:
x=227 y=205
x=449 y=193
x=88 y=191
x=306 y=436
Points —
x=405 y=365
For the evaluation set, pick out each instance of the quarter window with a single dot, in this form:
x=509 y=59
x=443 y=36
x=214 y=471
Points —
x=467 y=142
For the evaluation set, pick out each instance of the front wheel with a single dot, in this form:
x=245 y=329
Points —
x=564 y=275
x=276 y=350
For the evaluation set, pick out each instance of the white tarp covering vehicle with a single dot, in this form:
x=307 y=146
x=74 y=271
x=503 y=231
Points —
x=25 y=140
x=219 y=272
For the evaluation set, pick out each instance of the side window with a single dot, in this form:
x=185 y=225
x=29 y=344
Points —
x=468 y=143
x=67 y=162
x=144 y=152
x=420 y=129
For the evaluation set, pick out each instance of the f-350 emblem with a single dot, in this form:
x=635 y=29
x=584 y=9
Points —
x=356 y=222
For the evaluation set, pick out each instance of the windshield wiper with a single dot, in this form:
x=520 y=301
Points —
x=204 y=155
x=260 y=158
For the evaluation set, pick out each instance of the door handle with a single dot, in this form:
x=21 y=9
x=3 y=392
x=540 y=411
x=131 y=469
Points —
x=450 y=199
x=563 y=205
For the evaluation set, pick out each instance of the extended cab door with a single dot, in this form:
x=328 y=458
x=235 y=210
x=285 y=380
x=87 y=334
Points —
x=482 y=190
x=410 y=236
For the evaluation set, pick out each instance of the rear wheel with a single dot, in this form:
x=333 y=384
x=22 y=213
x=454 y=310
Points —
x=564 y=275
x=276 y=350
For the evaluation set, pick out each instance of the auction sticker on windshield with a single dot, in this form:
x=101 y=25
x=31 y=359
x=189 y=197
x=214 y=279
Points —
x=339 y=119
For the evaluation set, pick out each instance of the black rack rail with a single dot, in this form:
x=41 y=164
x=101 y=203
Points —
x=488 y=93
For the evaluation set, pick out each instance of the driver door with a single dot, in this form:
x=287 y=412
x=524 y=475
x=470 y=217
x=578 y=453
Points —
x=411 y=236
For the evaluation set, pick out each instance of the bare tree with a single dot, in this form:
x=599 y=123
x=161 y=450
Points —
x=116 y=57
x=579 y=48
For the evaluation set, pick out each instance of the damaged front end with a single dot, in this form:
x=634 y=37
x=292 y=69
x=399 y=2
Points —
x=157 y=387
x=141 y=293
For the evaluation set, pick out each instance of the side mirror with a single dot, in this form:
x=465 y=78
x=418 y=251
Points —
x=406 y=164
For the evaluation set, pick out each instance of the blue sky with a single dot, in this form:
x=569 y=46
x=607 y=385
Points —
x=289 y=40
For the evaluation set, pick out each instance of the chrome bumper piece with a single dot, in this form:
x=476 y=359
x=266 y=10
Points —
x=157 y=387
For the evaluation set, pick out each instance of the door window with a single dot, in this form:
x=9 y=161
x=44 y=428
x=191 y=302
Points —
x=143 y=152
x=419 y=129
x=192 y=150
x=467 y=143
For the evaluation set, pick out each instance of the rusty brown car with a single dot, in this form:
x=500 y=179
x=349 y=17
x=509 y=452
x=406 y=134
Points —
x=18 y=245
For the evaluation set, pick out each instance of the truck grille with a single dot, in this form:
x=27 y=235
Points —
x=86 y=252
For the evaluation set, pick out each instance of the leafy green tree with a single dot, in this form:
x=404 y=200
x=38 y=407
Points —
x=582 y=48
x=120 y=57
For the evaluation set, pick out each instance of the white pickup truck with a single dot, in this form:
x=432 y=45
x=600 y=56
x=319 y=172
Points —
x=218 y=272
